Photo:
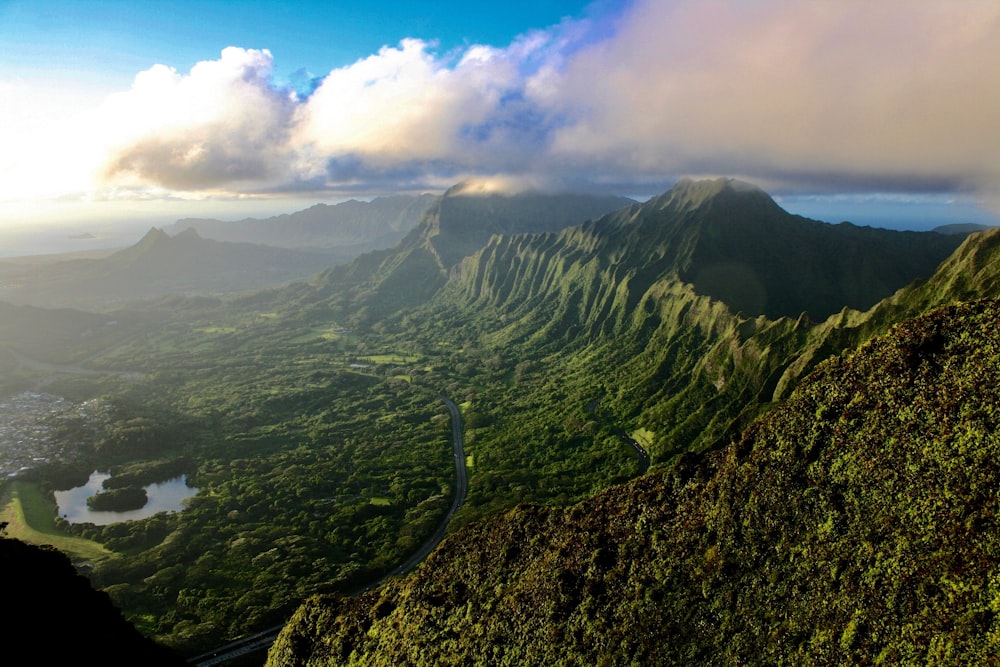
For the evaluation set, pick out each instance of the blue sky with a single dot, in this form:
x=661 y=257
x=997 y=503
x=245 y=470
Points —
x=882 y=113
x=112 y=40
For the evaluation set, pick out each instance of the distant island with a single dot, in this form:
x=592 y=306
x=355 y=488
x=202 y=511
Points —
x=961 y=228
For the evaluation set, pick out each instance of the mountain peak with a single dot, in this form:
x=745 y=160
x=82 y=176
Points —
x=153 y=238
x=690 y=194
x=154 y=234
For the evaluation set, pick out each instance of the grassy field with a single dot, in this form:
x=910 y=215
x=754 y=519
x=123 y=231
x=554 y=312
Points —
x=30 y=517
x=392 y=358
x=644 y=437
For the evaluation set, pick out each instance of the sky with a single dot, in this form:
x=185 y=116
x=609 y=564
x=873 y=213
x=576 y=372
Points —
x=879 y=112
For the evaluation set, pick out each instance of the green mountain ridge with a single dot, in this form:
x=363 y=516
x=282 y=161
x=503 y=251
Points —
x=606 y=312
x=733 y=243
x=459 y=224
x=559 y=337
x=624 y=297
x=854 y=524
x=456 y=225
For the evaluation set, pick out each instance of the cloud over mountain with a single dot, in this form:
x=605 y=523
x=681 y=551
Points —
x=893 y=95
x=889 y=91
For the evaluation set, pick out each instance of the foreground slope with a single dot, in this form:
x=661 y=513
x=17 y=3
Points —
x=855 y=524
x=56 y=618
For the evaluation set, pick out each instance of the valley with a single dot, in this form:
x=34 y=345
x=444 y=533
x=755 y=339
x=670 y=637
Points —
x=602 y=365
x=854 y=524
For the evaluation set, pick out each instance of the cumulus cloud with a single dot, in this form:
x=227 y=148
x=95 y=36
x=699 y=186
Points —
x=401 y=105
x=891 y=95
x=222 y=124
x=892 y=92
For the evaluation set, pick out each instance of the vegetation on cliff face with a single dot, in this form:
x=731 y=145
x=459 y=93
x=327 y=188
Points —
x=855 y=524
x=458 y=224
x=615 y=314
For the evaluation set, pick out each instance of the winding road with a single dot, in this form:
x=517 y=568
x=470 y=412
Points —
x=461 y=489
x=263 y=640
x=640 y=451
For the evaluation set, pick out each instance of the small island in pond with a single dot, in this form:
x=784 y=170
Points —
x=118 y=500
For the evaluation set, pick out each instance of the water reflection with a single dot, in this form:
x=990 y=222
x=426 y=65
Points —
x=166 y=496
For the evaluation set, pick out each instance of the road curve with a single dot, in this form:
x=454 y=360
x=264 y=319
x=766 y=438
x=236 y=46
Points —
x=640 y=451
x=263 y=640
x=461 y=489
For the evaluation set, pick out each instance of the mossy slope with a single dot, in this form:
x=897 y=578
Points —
x=856 y=524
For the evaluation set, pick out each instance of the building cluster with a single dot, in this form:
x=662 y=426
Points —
x=28 y=425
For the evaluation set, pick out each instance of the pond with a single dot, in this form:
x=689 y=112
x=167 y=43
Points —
x=168 y=496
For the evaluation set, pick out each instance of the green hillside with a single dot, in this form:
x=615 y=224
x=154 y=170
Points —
x=458 y=224
x=308 y=417
x=856 y=524
x=727 y=239
x=605 y=314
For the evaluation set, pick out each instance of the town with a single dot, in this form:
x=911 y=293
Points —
x=29 y=425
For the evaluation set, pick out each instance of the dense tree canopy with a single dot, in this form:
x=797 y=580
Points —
x=856 y=524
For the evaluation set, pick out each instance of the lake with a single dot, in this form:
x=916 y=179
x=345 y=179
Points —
x=168 y=496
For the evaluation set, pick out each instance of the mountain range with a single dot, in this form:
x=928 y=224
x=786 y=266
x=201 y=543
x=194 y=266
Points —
x=212 y=257
x=455 y=226
x=708 y=304
x=158 y=265
x=356 y=225
x=688 y=310
x=817 y=402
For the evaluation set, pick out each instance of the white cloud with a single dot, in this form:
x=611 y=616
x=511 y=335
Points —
x=890 y=90
x=403 y=104
x=223 y=124
x=898 y=93
x=47 y=145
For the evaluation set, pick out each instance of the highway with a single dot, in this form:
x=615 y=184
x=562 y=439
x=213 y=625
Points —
x=640 y=451
x=461 y=489
x=263 y=639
